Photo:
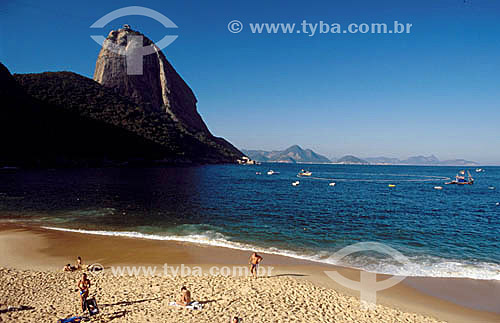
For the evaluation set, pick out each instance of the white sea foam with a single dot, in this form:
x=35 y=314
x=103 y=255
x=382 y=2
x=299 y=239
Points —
x=418 y=266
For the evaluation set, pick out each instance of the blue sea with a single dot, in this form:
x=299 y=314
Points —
x=453 y=232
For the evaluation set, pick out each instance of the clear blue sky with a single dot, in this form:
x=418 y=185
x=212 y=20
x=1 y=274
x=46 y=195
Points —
x=435 y=90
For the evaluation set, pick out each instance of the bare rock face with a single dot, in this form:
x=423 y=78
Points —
x=134 y=66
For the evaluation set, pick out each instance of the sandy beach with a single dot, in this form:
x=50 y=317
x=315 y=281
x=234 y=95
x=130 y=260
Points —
x=33 y=288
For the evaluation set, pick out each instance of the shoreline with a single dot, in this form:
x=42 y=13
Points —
x=267 y=250
x=454 y=300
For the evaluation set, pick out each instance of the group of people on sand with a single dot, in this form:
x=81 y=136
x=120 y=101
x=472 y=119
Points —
x=184 y=299
x=78 y=265
x=84 y=283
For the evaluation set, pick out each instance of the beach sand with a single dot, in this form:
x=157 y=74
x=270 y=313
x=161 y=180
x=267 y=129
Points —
x=31 y=281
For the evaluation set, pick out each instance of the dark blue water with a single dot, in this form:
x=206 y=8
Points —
x=453 y=232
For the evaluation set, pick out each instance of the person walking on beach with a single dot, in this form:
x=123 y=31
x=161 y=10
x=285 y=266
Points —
x=84 y=286
x=255 y=260
x=185 y=298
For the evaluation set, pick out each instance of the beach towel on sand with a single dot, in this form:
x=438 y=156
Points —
x=191 y=306
x=74 y=319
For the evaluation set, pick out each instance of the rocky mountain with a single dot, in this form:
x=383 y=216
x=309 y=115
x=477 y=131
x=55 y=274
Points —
x=351 y=160
x=293 y=154
x=157 y=85
x=156 y=109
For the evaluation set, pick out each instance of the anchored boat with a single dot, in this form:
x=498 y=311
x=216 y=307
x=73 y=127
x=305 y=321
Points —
x=460 y=179
x=305 y=173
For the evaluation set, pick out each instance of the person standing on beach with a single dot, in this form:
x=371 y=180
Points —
x=84 y=286
x=255 y=260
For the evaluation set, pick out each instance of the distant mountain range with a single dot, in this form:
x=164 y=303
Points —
x=293 y=154
x=421 y=160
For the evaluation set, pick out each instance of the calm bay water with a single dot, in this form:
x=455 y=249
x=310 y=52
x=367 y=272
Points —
x=452 y=232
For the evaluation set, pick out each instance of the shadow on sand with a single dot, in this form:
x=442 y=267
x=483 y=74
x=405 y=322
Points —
x=126 y=303
x=289 y=275
x=112 y=316
x=17 y=309
x=210 y=301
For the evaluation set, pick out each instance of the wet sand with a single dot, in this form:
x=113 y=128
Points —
x=30 y=254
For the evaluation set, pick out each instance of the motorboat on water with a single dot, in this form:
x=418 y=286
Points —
x=332 y=184
x=296 y=183
x=461 y=180
x=272 y=172
x=438 y=187
x=479 y=170
x=305 y=173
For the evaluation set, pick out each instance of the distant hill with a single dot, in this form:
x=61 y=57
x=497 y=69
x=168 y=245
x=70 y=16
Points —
x=293 y=154
x=458 y=162
x=421 y=160
x=383 y=160
x=351 y=160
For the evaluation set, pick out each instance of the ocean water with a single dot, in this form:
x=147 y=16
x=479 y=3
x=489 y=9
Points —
x=453 y=232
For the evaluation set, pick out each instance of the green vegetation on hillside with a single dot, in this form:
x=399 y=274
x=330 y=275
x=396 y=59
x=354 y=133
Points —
x=87 y=98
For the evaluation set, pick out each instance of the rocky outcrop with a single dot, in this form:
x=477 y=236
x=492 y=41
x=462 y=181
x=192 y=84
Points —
x=158 y=86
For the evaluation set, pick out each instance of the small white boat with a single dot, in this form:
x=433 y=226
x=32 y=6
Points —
x=331 y=184
x=479 y=170
x=498 y=203
x=491 y=187
x=438 y=187
x=305 y=173
x=296 y=183
x=258 y=173
x=272 y=172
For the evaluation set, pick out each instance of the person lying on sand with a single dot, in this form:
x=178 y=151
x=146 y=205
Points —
x=235 y=320
x=185 y=298
x=255 y=260
x=68 y=267
x=84 y=286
